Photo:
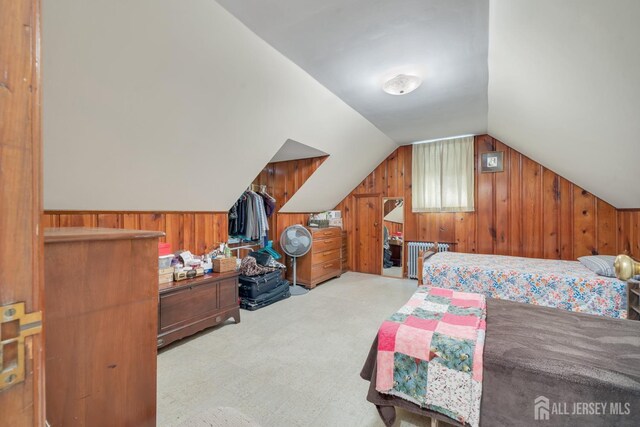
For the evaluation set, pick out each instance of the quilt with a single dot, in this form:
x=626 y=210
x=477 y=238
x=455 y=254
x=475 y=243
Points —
x=430 y=352
x=551 y=283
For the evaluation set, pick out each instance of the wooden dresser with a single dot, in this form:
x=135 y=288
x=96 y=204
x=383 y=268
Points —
x=345 y=258
x=189 y=306
x=324 y=260
x=100 y=326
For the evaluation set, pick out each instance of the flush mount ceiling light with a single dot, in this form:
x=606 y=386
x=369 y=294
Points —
x=402 y=84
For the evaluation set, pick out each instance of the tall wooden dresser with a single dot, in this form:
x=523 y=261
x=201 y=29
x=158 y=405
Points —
x=345 y=258
x=323 y=261
x=100 y=317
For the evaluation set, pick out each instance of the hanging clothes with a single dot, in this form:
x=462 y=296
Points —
x=248 y=218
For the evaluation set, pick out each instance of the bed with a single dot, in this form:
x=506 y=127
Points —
x=551 y=283
x=532 y=352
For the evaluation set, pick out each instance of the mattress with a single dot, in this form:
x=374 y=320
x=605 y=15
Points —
x=574 y=362
x=551 y=283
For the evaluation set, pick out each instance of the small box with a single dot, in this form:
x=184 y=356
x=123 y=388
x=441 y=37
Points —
x=164 y=261
x=207 y=267
x=188 y=274
x=164 y=249
x=335 y=222
x=179 y=275
x=168 y=270
x=221 y=265
x=165 y=278
x=334 y=214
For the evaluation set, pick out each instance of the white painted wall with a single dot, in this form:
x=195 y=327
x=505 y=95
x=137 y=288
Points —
x=169 y=105
x=564 y=89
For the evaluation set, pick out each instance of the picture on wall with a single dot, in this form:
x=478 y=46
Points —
x=492 y=161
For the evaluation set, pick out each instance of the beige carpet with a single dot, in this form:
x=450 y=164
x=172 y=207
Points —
x=295 y=363
x=220 y=417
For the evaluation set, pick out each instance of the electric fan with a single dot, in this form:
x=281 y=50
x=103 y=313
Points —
x=295 y=241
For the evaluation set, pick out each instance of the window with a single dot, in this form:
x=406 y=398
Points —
x=442 y=176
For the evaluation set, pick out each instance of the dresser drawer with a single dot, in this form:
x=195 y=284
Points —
x=325 y=256
x=327 y=233
x=325 y=245
x=181 y=307
x=327 y=268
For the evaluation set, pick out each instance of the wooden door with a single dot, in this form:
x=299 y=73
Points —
x=368 y=234
x=21 y=244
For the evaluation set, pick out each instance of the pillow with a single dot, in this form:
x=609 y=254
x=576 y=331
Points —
x=599 y=264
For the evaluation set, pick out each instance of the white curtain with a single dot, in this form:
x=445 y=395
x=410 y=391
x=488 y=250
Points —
x=442 y=176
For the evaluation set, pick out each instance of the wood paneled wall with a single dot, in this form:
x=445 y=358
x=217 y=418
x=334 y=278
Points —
x=527 y=210
x=283 y=180
x=629 y=232
x=394 y=227
x=197 y=232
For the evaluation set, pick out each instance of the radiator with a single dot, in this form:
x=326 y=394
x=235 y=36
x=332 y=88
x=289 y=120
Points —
x=412 y=257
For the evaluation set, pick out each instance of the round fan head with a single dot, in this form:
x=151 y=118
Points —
x=295 y=240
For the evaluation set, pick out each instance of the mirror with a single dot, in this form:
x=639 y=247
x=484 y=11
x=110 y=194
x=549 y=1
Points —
x=393 y=237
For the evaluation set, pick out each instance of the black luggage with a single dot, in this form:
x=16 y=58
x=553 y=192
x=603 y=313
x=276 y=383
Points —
x=254 y=286
x=280 y=292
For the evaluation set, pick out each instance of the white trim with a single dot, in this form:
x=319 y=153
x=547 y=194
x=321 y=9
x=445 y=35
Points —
x=442 y=139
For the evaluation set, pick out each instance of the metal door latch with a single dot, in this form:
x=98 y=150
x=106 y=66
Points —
x=15 y=326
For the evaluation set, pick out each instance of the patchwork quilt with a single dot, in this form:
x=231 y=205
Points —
x=552 y=283
x=430 y=352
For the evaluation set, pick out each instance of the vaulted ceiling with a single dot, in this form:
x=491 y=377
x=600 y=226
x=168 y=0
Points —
x=557 y=80
x=352 y=47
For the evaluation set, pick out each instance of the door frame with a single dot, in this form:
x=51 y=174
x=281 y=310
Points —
x=22 y=242
x=380 y=231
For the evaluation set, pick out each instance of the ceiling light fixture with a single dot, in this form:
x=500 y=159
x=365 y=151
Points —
x=401 y=84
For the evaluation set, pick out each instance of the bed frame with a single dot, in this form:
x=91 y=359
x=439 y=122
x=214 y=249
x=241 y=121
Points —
x=421 y=264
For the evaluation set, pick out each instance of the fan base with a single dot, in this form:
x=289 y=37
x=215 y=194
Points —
x=298 y=290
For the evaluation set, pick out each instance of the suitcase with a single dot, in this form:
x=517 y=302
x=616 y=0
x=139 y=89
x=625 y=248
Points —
x=280 y=292
x=253 y=286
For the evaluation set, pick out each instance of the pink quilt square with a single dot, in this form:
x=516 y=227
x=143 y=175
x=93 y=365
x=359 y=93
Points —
x=414 y=302
x=387 y=336
x=414 y=342
x=384 y=371
x=454 y=319
x=424 y=324
x=477 y=357
x=467 y=296
x=463 y=302
x=440 y=292
x=462 y=332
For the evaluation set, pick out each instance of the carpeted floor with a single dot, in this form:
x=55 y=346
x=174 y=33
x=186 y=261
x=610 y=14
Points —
x=295 y=363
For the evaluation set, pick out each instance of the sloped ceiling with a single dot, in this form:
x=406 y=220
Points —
x=165 y=105
x=168 y=105
x=564 y=89
x=294 y=150
x=563 y=85
x=352 y=47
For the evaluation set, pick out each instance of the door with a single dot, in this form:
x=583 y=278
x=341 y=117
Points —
x=21 y=244
x=368 y=233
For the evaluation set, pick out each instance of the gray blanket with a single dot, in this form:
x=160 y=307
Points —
x=582 y=369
